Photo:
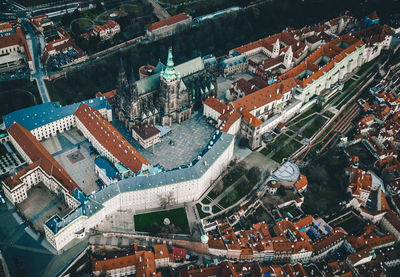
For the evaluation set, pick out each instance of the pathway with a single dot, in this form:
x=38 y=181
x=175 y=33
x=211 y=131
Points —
x=158 y=11
x=38 y=72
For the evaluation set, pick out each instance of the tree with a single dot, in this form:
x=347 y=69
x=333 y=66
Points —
x=167 y=200
x=99 y=6
x=281 y=191
x=66 y=19
x=254 y=174
x=243 y=142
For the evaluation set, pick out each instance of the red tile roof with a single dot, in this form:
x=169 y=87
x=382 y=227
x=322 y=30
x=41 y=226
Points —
x=160 y=251
x=16 y=39
x=110 y=264
x=330 y=50
x=36 y=152
x=265 y=95
x=216 y=104
x=110 y=95
x=5 y=26
x=110 y=138
x=169 y=21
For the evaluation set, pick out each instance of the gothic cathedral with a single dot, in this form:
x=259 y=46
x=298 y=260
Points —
x=169 y=94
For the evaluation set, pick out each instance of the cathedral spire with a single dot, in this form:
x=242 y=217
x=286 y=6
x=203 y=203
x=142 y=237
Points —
x=169 y=73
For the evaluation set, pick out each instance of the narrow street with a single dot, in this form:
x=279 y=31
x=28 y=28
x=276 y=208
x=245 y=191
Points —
x=38 y=72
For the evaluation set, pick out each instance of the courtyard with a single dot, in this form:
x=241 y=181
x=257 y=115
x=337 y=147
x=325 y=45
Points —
x=179 y=147
x=225 y=83
x=41 y=205
x=71 y=150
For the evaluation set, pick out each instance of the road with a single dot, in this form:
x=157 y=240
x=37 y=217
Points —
x=38 y=71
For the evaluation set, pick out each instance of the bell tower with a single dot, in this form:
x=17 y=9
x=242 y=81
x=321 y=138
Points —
x=169 y=91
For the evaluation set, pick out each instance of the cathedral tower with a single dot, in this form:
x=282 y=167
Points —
x=169 y=91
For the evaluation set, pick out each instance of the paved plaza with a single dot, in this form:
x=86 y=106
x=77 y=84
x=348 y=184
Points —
x=40 y=205
x=71 y=150
x=189 y=138
x=121 y=221
x=225 y=83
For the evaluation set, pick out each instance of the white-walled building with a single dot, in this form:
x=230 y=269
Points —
x=143 y=192
x=48 y=119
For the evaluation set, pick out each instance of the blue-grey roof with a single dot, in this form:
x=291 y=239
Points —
x=110 y=170
x=40 y=115
x=216 y=146
x=232 y=61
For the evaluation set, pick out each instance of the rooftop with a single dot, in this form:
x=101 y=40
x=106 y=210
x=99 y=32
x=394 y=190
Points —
x=36 y=116
x=110 y=138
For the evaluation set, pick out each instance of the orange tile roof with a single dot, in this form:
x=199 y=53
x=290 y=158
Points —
x=5 y=26
x=302 y=182
x=330 y=50
x=110 y=264
x=14 y=180
x=36 y=152
x=251 y=119
x=16 y=39
x=169 y=21
x=305 y=221
x=160 y=251
x=268 y=42
x=145 y=264
x=265 y=95
x=216 y=104
x=110 y=95
x=110 y=138
x=228 y=119
x=335 y=235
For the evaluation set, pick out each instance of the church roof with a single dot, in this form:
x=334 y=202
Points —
x=153 y=82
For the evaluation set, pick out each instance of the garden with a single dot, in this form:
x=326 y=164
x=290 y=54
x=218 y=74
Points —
x=154 y=223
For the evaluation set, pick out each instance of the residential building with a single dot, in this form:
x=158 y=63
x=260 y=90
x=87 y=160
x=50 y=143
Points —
x=326 y=66
x=14 y=51
x=168 y=26
x=391 y=223
x=146 y=135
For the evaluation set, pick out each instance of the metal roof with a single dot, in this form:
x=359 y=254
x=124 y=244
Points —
x=40 y=115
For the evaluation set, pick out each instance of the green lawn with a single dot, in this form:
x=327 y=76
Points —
x=309 y=112
x=205 y=201
x=201 y=213
x=317 y=123
x=264 y=151
x=215 y=209
x=84 y=24
x=227 y=181
x=238 y=193
x=178 y=217
x=286 y=151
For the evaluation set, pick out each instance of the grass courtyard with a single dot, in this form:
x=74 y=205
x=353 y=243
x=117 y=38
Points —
x=151 y=221
x=227 y=181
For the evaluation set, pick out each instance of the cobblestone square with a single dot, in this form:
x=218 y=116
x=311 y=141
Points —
x=180 y=146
